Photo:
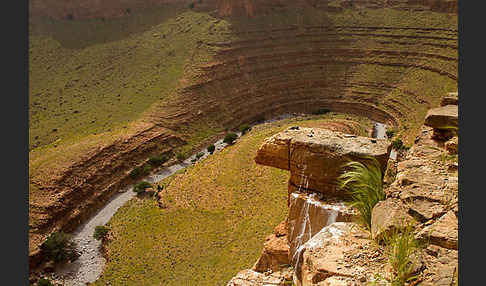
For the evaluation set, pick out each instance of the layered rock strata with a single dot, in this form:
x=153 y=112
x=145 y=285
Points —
x=424 y=195
x=314 y=156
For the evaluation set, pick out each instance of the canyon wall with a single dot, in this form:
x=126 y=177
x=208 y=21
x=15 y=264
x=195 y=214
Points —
x=85 y=9
x=372 y=58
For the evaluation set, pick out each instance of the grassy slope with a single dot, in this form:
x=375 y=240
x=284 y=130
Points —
x=93 y=76
x=219 y=212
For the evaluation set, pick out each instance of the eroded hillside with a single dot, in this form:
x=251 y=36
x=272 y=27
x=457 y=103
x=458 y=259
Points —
x=105 y=94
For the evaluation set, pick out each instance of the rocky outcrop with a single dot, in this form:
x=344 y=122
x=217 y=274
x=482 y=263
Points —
x=444 y=117
x=452 y=98
x=388 y=216
x=314 y=156
x=308 y=215
x=443 y=232
x=275 y=254
x=340 y=254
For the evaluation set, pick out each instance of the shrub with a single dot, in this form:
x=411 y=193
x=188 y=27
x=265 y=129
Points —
x=146 y=168
x=244 y=128
x=140 y=187
x=136 y=172
x=390 y=133
x=397 y=144
x=180 y=157
x=364 y=183
x=321 y=111
x=157 y=160
x=230 y=138
x=199 y=155
x=400 y=249
x=260 y=118
x=59 y=248
x=211 y=148
x=100 y=232
x=44 y=282
x=140 y=171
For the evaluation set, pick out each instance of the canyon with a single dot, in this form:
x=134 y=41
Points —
x=390 y=61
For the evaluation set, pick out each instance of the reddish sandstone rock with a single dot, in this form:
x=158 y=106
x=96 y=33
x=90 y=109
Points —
x=315 y=156
x=387 y=216
x=308 y=215
x=450 y=99
x=444 y=117
x=340 y=254
x=275 y=254
x=444 y=232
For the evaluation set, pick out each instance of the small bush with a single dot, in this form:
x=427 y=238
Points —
x=211 y=148
x=260 y=118
x=136 y=172
x=44 y=282
x=100 y=232
x=321 y=111
x=146 y=168
x=199 y=155
x=400 y=249
x=180 y=157
x=397 y=144
x=59 y=248
x=230 y=138
x=364 y=184
x=157 y=160
x=140 y=187
x=244 y=128
x=390 y=133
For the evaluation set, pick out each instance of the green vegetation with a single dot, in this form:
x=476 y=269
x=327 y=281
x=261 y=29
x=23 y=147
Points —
x=59 y=248
x=140 y=171
x=401 y=247
x=230 y=138
x=244 y=128
x=44 y=282
x=216 y=216
x=211 y=148
x=321 y=111
x=390 y=133
x=364 y=183
x=180 y=157
x=100 y=232
x=140 y=187
x=199 y=155
x=397 y=144
x=156 y=161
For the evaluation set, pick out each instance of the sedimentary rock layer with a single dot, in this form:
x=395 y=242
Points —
x=315 y=156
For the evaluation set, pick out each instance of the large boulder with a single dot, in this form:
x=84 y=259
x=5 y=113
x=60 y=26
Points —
x=315 y=156
x=387 y=216
x=340 y=254
x=444 y=117
x=308 y=215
